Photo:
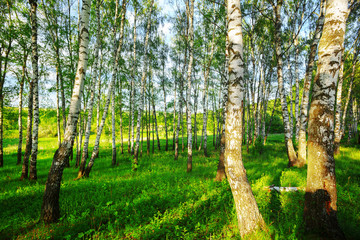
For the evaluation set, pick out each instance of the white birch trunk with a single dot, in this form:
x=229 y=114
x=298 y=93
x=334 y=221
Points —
x=92 y=95
x=35 y=77
x=249 y=217
x=188 y=91
x=113 y=136
x=132 y=96
x=50 y=210
x=321 y=198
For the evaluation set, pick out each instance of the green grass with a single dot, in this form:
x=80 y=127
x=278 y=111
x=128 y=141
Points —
x=161 y=200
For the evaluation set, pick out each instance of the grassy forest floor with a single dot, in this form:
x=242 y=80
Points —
x=162 y=201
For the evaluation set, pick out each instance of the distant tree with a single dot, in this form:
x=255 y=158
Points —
x=142 y=93
x=190 y=14
x=293 y=161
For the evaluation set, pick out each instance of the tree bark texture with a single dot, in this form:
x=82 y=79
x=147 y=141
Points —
x=249 y=217
x=85 y=151
x=321 y=197
x=307 y=84
x=35 y=77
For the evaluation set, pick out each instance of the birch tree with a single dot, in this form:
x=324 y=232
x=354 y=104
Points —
x=143 y=77
x=285 y=113
x=20 y=123
x=35 y=76
x=321 y=197
x=92 y=94
x=190 y=10
x=307 y=84
x=5 y=49
x=249 y=217
x=50 y=209
x=117 y=46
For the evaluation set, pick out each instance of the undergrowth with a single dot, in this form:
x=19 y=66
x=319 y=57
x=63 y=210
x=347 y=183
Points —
x=162 y=201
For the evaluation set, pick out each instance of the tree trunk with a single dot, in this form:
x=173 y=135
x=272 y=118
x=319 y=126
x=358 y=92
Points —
x=178 y=122
x=272 y=115
x=155 y=120
x=121 y=119
x=213 y=119
x=195 y=113
x=34 y=61
x=220 y=173
x=85 y=151
x=110 y=90
x=2 y=81
x=291 y=97
x=165 y=121
x=188 y=91
x=285 y=114
x=58 y=108
x=205 y=91
x=147 y=128
x=307 y=84
x=22 y=81
x=249 y=125
x=113 y=142
x=350 y=122
x=297 y=118
x=348 y=97
x=132 y=96
x=153 y=133
x=321 y=197
x=99 y=96
x=249 y=217
x=25 y=165
x=50 y=210
x=174 y=116
x=142 y=136
x=143 y=77
x=337 y=130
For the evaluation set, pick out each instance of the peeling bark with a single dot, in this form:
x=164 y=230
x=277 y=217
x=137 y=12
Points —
x=85 y=151
x=249 y=217
x=35 y=76
x=321 y=198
